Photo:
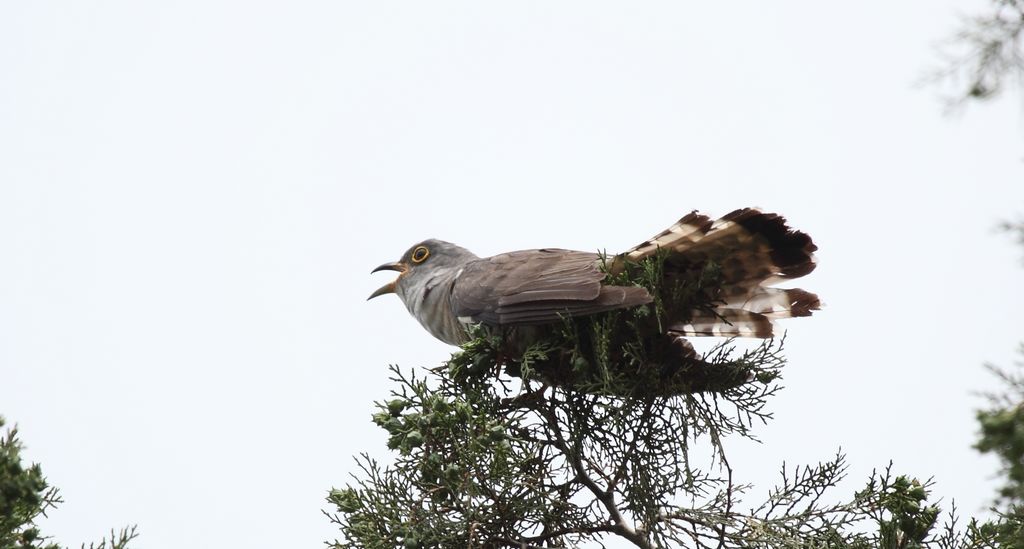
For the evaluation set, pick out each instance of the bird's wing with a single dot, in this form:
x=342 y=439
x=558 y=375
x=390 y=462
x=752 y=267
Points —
x=537 y=286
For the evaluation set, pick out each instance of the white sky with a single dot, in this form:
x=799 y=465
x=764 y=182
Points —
x=192 y=195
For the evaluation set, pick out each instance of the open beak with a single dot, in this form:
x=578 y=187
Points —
x=396 y=266
x=388 y=288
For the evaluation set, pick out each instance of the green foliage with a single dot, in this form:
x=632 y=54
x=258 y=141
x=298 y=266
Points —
x=25 y=496
x=1002 y=432
x=985 y=54
x=1016 y=228
x=898 y=508
x=486 y=460
x=1005 y=531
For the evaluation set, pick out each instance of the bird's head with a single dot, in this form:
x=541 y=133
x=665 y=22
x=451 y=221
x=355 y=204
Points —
x=420 y=263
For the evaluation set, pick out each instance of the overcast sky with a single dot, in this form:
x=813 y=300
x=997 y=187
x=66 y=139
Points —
x=192 y=195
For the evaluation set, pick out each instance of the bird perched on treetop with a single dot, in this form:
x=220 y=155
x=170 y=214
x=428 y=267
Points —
x=448 y=288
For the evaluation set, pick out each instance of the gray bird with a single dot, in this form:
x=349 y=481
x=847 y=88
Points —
x=448 y=288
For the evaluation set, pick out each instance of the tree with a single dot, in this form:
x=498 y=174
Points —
x=1017 y=228
x=25 y=496
x=985 y=56
x=490 y=462
x=578 y=439
x=1002 y=431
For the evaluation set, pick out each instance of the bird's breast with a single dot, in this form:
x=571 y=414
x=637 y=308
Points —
x=430 y=304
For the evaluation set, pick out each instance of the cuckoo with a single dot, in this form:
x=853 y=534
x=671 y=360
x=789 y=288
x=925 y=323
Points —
x=448 y=289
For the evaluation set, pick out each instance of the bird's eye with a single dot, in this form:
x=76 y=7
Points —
x=420 y=254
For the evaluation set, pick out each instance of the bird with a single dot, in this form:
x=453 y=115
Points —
x=699 y=277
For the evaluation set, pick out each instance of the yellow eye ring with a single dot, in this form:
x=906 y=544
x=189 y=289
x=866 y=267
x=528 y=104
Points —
x=420 y=254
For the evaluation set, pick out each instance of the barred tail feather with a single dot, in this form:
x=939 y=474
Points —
x=775 y=302
x=686 y=232
x=754 y=250
x=725 y=323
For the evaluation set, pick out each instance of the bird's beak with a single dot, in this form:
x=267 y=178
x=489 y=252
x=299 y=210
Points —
x=388 y=288
x=396 y=266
